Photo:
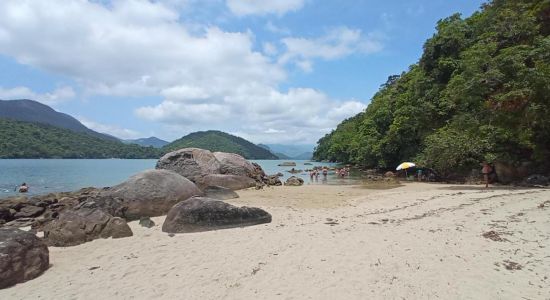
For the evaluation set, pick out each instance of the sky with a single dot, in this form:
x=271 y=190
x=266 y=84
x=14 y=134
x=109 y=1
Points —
x=279 y=71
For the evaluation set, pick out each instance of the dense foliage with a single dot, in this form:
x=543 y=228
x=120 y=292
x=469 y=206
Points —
x=481 y=91
x=220 y=141
x=31 y=140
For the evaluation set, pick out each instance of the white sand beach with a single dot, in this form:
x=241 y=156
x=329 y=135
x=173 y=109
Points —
x=417 y=241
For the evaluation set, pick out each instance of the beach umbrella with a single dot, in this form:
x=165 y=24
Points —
x=405 y=165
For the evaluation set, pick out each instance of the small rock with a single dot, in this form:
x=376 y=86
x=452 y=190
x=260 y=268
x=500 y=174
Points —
x=146 y=222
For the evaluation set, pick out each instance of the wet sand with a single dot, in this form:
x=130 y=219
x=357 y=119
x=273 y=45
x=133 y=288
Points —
x=417 y=241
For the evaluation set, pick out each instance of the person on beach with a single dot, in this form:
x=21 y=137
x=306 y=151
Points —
x=325 y=172
x=486 y=170
x=23 y=188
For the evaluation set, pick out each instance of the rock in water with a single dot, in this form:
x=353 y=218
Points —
x=23 y=256
x=273 y=180
x=233 y=182
x=220 y=193
x=146 y=222
x=235 y=164
x=203 y=214
x=152 y=193
x=287 y=164
x=79 y=226
x=190 y=163
x=294 y=181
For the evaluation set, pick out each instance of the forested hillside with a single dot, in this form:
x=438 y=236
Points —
x=220 y=141
x=480 y=91
x=31 y=140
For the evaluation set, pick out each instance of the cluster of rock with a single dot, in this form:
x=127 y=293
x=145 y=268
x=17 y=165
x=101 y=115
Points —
x=176 y=189
x=205 y=169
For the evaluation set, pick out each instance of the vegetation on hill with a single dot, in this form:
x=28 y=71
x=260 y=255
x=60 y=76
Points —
x=36 y=112
x=31 y=140
x=481 y=91
x=220 y=141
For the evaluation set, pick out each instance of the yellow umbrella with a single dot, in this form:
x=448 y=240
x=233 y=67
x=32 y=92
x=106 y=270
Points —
x=405 y=165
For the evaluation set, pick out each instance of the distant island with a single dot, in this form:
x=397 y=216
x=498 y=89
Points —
x=218 y=141
x=29 y=129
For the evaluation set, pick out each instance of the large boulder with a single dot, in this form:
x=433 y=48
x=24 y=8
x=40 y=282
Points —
x=190 y=163
x=203 y=214
x=294 y=181
x=74 y=227
x=235 y=164
x=23 y=256
x=220 y=193
x=152 y=193
x=234 y=182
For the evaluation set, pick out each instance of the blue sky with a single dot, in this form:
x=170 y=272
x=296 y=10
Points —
x=284 y=71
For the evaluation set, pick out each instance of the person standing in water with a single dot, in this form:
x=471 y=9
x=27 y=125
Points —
x=23 y=188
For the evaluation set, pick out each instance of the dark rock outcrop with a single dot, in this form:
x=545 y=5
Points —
x=39 y=210
x=233 y=182
x=536 y=179
x=82 y=225
x=190 y=163
x=203 y=214
x=294 y=181
x=273 y=180
x=152 y=193
x=23 y=256
x=220 y=193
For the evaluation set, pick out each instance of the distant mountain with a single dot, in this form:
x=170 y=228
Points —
x=220 y=141
x=150 y=141
x=34 y=140
x=36 y=112
x=304 y=156
x=292 y=151
x=282 y=155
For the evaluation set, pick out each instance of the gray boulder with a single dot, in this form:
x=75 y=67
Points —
x=74 y=227
x=203 y=214
x=294 y=181
x=233 y=182
x=152 y=193
x=220 y=193
x=287 y=164
x=23 y=256
x=190 y=163
x=235 y=164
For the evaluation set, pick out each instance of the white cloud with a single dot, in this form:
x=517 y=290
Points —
x=260 y=113
x=208 y=79
x=264 y=7
x=276 y=29
x=336 y=43
x=113 y=130
x=50 y=98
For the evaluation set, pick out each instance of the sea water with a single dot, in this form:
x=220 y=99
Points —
x=59 y=175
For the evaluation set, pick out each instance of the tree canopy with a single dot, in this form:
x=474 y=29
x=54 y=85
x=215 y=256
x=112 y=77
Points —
x=480 y=91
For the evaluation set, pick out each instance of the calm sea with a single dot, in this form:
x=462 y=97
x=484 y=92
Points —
x=57 y=175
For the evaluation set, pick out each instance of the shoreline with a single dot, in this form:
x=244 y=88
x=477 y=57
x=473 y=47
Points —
x=418 y=240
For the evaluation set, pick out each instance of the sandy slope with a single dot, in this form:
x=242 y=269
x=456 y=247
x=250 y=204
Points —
x=418 y=241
